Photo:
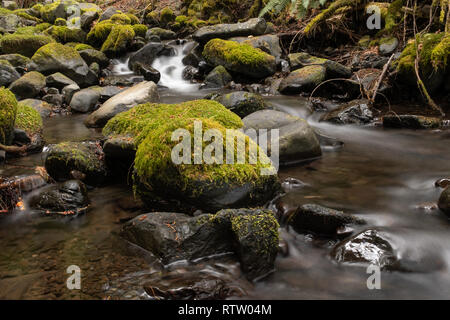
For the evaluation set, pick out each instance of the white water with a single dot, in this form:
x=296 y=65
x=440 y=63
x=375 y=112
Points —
x=171 y=69
x=120 y=67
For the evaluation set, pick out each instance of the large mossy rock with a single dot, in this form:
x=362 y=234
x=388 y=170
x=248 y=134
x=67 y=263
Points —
x=444 y=201
x=206 y=185
x=251 y=233
x=305 y=79
x=239 y=58
x=434 y=55
x=16 y=60
x=217 y=78
x=140 y=93
x=297 y=140
x=252 y=27
x=269 y=43
x=8 y=73
x=94 y=56
x=24 y=44
x=29 y=85
x=44 y=108
x=64 y=34
x=163 y=34
x=118 y=40
x=333 y=69
x=242 y=103
x=85 y=157
x=8 y=111
x=55 y=57
x=30 y=122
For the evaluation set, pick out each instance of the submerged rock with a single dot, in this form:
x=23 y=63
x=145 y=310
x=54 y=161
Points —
x=297 y=140
x=149 y=53
x=444 y=201
x=239 y=58
x=354 y=112
x=217 y=78
x=321 y=220
x=411 y=122
x=28 y=86
x=85 y=157
x=305 y=79
x=140 y=93
x=242 y=103
x=68 y=198
x=252 y=27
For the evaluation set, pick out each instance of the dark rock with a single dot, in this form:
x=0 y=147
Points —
x=162 y=34
x=21 y=137
x=252 y=27
x=7 y=73
x=217 y=78
x=16 y=60
x=87 y=18
x=58 y=80
x=368 y=78
x=193 y=55
x=190 y=73
x=411 y=122
x=354 y=112
x=241 y=102
x=321 y=220
x=149 y=73
x=85 y=157
x=90 y=56
x=444 y=201
x=55 y=99
x=52 y=90
x=122 y=80
x=149 y=53
x=68 y=198
x=368 y=61
x=120 y=153
x=69 y=91
x=85 y=100
x=305 y=79
x=28 y=86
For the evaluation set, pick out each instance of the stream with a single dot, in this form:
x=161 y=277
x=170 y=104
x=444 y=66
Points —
x=385 y=176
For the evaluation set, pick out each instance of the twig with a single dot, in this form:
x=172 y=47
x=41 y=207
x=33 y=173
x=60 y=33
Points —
x=380 y=79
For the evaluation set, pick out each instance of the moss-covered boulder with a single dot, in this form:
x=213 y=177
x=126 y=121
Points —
x=99 y=33
x=55 y=57
x=167 y=16
x=85 y=157
x=58 y=9
x=29 y=121
x=269 y=43
x=24 y=44
x=118 y=40
x=333 y=69
x=140 y=30
x=90 y=56
x=433 y=61
x=8 y=111
x=65 y=34
x=217 y=78
x=252 y=27
x=163 y=34
x=44 y=108
x=8 y=73
x=206 y=185
x=444 y=201
x=239 y=58
x=16 y=60
x=304 y=79
x=29 y=85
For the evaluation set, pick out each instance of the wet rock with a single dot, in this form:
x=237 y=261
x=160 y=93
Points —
x=163 y=34
x=251 y=233
x=149 y=53
x=108 y=13
x=21 y=137
x=149 y=73
x=444 y=201
x=85 y=157
x=87 y=18
x=40 y=106
x=442 y=183
x=368 y=60
x=16 y=60
x=411 y=122
x=122 y=81
x=304 y=79
x=297 y=140
x=141 y=93
x=91 y=56
x=241 y=102
x=217 y=78
x=268 y=43
x=107 y=92
x=354 y=112
x=190 y=73
x=28 y=86
x=387 y=45
x=193 y=55
x=54 y=99
x=56 y=57
x=7 y=73
x=120 y=152
x=68 y=198
x=321 y=220
x=85 y=100
x=69 y=91
x=252 y=27
x=333 y=68
x=58 y=80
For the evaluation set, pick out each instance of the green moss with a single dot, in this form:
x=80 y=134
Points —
x=393 y=12
x=99 y=33
x=24 y=44
x=55 y=49
x=23 y=14
x=152 y=18
x=118 y=40
x=48 y=11
x=42 y=26
x=167 y=16
x=235 y=54
x=441 y=52
x=79 y=46
x=140 y=30
x=133 y=19
x=28 y=119
x=120 y=18
x=60 y=22
x=65 y=34
x=181 y=20
x=8 y=111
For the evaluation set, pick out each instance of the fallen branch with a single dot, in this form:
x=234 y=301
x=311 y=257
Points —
x=13 y=149
x=380 y=79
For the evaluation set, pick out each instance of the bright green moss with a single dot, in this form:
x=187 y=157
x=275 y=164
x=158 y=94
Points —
x=28 y=119
x=48 y=11
x=133 y=19
x=42 y=26
x=138 y=121
x=152 y=17
x=23 y=14
x=140 y=30
x=393 y=12
x=60 y=22
x=65 y=34
x=181 y=20
x=441 y=52
x=235 y=54
x=99 y=33
x=24 y=44
x=8 y=111
x=120 y=18
x=118 y=40
x=79 y=46
x=167 y=16
x=55 y=49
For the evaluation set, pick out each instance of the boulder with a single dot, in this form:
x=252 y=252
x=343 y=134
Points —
x=252 y=27
x=9 y=22
x=8 y=110
x=56 y=57
x=54 y=99
x=444 y=201
x=108 y=13
x=58 y=80
x=387 y=45
x=84 y=100
x=305 y=79
x=242 y=103
x=149 y=73
x=87 y=18
x=118 y=40
x=16 y=60
x=297 y=140
x=355 y=112
x=410 y=121
x=149 y=53
x=163 y=34
x=140 y=93
x=8 y=73
x=24 y=44
x=28 y=86
x=68 y=198
x=333 y=69
x=69 y=91
x=91 y=55
x=40 y=106
x=217 y=78
x=84 y=157
x=321 y=220
x=239 y=58
x=269 y=43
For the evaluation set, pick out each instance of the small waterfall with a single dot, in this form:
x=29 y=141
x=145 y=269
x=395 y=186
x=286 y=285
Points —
x=171 y=69
x=120 y=67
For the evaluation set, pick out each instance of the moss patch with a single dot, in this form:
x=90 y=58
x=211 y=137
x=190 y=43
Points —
x=140 y=30
x=28 y=119
x=118 y=40
x=24 y=44
x=65 y=34
x=8 y=111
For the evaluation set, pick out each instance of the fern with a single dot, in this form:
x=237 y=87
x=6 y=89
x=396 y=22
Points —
x=298 y=8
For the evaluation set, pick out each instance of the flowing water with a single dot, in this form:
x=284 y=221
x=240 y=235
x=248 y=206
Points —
x=381 y=175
